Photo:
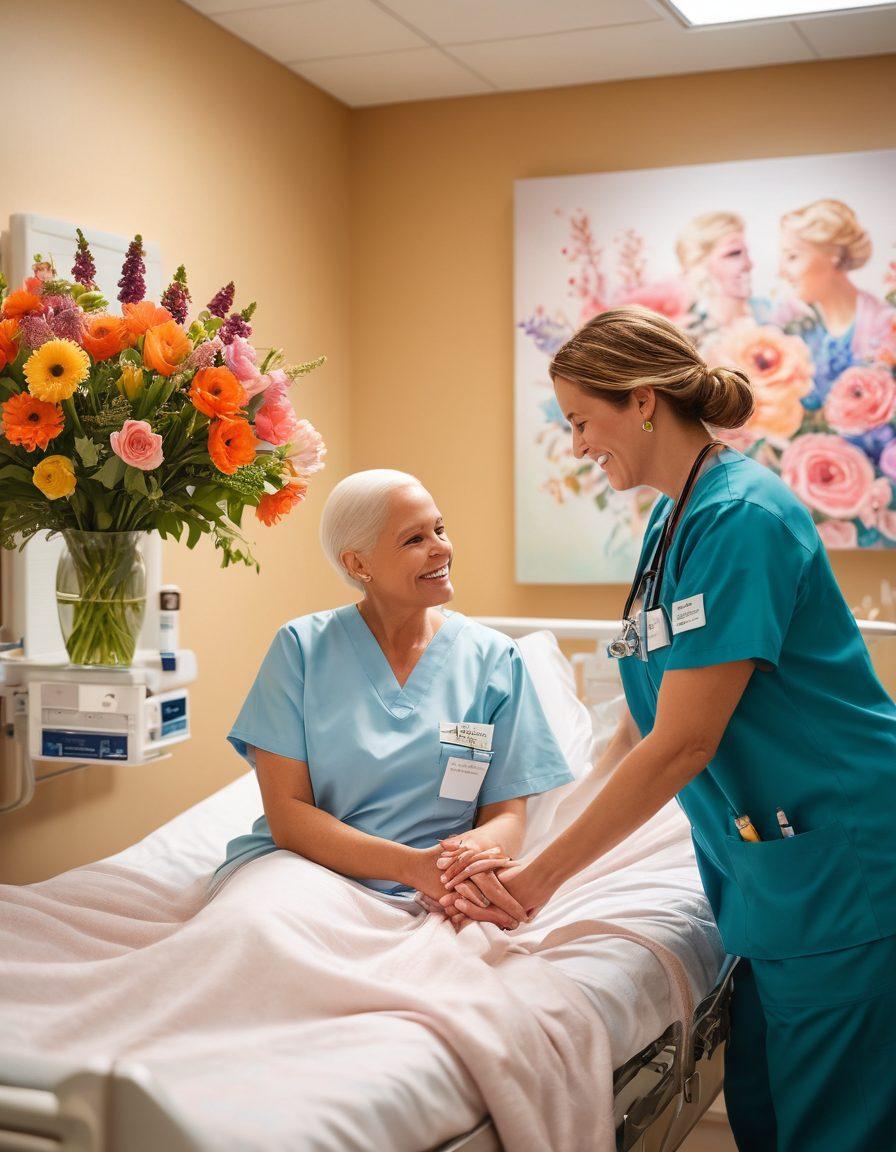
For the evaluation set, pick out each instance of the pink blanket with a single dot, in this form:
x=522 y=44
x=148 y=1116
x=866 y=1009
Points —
x=106 y=961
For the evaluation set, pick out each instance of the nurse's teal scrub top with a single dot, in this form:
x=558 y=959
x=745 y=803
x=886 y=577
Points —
x=813 y=734
x=325 y=694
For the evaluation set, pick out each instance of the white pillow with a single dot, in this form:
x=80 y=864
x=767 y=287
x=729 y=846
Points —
x=555 y=682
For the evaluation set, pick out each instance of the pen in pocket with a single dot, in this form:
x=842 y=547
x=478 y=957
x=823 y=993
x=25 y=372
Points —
x=745 y=827
x=785 y=825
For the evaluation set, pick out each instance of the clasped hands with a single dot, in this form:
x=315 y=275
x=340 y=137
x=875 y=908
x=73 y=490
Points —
x=472 y=879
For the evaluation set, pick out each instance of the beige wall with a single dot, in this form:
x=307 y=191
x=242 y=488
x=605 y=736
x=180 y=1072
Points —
x=419 y=198
x=148 y=117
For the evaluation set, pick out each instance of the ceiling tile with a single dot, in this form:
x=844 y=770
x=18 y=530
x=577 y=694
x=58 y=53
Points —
x=319 y=28
x=859 y=34
x=391 y=77
x=630 y=51
x=463 y=21
x=212 y=7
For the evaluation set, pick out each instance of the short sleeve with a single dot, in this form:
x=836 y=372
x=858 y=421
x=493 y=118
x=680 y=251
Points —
x=273 y=715
x=526 y=757
x=749 y=569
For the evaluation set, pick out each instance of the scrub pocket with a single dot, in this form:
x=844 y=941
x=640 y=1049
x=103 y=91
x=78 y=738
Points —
x=459 y=810
x=803 y=895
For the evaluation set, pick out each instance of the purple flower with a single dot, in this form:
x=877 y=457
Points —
x=887 y=461
x=132 y=282
x=547 y=334
x=234 y=326
x=221 y=303
x=35 y=330
x=84 y=269
x=176 y=297
x=67 y=323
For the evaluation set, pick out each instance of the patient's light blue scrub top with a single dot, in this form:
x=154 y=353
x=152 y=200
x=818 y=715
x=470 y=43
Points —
x=325 y=694
x=814 y=733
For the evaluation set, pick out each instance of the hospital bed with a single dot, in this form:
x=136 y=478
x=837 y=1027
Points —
x=662 y=1084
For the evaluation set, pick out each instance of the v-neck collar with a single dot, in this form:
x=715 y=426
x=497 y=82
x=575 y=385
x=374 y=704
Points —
x=400 y=701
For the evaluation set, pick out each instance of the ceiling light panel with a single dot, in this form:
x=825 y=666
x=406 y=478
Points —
x=700 y=13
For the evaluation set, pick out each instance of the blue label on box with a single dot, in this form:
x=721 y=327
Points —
x=172 y=726
x=69 y=745
x=171 y=709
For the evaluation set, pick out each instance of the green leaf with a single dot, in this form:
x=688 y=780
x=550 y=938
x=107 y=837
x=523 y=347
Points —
x=17 y=472
x=87 y=450
x=194 y=532
x=131 y=356
x=103 y=520
x=135 y=482
x=8 y=386
x=112 y=472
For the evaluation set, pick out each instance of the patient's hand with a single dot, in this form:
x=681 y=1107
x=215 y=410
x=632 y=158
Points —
x=470 y=880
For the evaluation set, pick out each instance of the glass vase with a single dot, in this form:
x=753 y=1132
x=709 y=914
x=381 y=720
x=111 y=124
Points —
x=101 y=595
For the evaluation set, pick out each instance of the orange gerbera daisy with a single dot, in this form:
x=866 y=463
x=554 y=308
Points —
x=20 y=303
x=217 y=392
x=138 y=317
x=231 y=444
x=9 y=341
x=275 y=505
x=30 y=422
x=165 y=346
x=104 y=337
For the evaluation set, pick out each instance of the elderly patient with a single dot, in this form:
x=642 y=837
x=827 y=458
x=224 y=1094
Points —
x=393 y=739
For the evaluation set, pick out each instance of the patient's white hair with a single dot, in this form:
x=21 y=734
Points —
x=356 y=512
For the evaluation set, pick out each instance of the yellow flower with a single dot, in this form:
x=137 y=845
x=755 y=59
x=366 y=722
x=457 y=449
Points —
x=130 y=382
x=55 y=370
x=55 y=476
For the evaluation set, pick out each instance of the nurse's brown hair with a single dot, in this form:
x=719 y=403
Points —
x=632 y=347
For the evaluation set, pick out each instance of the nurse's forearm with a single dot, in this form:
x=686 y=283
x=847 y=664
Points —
x=646 y=779
x=320 y=837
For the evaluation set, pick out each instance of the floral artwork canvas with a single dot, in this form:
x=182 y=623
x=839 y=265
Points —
x=784 y=268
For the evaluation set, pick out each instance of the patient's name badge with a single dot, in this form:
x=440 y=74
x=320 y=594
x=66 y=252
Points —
x=688 y=614
x=657 y=630
x=463 y=778
x=469 y=735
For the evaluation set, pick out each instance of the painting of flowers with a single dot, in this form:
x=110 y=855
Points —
x=784 y=268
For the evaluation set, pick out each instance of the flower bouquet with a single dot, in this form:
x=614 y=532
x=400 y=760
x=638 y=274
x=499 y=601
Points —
x=113 y=426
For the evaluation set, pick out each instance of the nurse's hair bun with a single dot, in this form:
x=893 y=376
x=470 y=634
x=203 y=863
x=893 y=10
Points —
x=725 y=398
x=632 y=347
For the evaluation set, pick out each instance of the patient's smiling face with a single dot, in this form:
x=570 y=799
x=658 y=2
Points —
x=411 y=561
x=609 y=434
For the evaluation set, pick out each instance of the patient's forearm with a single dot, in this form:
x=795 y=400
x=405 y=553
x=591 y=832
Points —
x=646 y=779
x=505 y=831
x=320 y=837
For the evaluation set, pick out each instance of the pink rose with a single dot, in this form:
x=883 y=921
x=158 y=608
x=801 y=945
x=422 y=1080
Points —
x=741 y=438
x=308 y=449
x=861 y=399
x=876 y=512
x=138 y=445
x=828 y=474
x=838 y=533
x=240 y=357
x=275 y=421
x=671 y=298
x=887 y=461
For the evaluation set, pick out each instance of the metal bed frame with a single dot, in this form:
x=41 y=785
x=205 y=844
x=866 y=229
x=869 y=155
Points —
x=52 y=1105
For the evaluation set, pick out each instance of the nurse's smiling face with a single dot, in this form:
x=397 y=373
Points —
x=608 y=433
x=410 y=565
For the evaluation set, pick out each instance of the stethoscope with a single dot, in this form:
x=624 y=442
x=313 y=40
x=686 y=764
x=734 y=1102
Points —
x=632 y=638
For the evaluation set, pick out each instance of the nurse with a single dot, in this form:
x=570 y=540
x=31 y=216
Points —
x=752 y=699
x=379 y=729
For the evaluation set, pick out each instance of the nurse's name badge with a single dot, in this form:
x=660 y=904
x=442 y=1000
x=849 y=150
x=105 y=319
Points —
x=467 y=735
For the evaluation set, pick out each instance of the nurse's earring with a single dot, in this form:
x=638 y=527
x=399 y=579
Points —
x=647 y=426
